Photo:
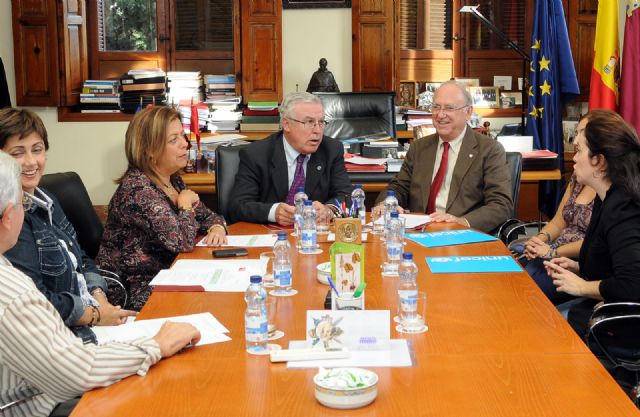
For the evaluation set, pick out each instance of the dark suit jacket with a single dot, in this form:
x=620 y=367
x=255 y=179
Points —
x=262 y=177
x=480 y=188
x=611 y=248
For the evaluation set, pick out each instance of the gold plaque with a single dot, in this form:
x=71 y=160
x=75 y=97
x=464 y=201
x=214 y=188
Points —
x=348 y=230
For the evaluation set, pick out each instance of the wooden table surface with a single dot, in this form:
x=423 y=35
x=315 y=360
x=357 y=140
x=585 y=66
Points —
x=495 y=347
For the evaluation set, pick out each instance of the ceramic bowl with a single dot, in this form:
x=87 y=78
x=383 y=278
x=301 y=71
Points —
x=324 y=272
x=331 y=395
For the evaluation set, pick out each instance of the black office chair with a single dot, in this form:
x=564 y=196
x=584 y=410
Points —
x=614 y=337
x=514 y=164
x=227 y=161
x=74 y=199
x=358 y=114
x=511 y=129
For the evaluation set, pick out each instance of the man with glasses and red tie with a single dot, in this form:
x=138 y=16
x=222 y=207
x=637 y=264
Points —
x=271 y=170
x=455 y=175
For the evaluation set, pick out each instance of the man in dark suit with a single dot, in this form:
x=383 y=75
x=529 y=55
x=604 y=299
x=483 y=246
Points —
x=272 y=169
x=473 y=188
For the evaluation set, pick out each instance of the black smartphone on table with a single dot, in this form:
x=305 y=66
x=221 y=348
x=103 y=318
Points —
x=229 y=253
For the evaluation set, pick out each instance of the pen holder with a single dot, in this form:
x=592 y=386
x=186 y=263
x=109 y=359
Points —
x=346 y=301
x=348 y=230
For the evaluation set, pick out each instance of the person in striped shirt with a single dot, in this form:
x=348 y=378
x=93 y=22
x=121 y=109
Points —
x=42 y=363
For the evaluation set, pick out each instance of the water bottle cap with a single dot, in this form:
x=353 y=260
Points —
x=282 y=235
x=301 y=189
x=357 y=186
x=308 y=203
x=394 y=214
x=391 y=193
x=407 y=256
x=255 y=279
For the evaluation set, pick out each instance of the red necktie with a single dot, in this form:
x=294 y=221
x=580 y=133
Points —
x=438 y=179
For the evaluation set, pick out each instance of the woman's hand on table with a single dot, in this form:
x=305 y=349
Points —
x=216 y=236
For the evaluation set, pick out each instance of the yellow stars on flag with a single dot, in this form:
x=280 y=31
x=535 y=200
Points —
x=536 y=45
x=531 y=67
x=536 y=112
x=545 y=88
x=544 y=63
x=531 y=91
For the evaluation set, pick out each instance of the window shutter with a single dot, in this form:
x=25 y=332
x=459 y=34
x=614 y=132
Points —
x=508 y=16
x=425 y=24
x=204 y=25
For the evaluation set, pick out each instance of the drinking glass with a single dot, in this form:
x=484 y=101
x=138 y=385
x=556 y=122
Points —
x=412 y=314
x=267 y=279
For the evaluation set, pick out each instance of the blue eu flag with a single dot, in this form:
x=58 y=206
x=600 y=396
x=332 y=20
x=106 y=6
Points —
x=552 y=83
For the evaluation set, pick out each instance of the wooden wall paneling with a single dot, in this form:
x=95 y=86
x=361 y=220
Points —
x=375 y=44
x=486 y=68
x=582 y=30
x=36 y=52
x=426 y=69
x=73 y=51
x=262 y=50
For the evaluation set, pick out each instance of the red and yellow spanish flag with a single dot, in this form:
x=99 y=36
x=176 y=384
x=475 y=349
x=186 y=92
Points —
x=603 y=92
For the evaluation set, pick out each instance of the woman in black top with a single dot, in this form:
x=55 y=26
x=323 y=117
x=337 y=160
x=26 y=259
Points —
x=608 y=160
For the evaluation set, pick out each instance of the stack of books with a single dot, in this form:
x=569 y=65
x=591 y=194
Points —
x=141 y=87
x=100 y=96
x=185 y=86
x=224 y=115
x=260 y=116
x=416 y=117
x=220 y=86
x=203 y=114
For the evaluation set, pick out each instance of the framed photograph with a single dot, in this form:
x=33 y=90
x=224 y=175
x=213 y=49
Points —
x=485 y=96
x=469 y=82
x=407 y=94
x=347 y=266
x=316 y=4
x=425 y=98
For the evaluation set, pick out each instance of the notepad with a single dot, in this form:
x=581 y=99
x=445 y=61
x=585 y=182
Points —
x=449 y=238
x=458 y=264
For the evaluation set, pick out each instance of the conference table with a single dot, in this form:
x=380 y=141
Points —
x=495 y=347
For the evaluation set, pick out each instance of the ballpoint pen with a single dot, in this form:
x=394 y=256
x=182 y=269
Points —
x=333 y=286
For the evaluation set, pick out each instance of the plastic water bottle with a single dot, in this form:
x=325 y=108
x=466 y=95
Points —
x=255 y=317
x=390 y=205
x=309 y=231
x=358 y=196
x=407 y=288
x=395 y=244
x=282 y=264
x=298 y=199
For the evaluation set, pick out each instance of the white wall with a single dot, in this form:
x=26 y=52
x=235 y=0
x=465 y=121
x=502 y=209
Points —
x=307 y=36
x=95 y=150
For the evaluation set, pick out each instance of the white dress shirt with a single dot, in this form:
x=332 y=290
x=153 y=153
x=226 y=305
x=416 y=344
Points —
x=454 y=152
x=292 y=161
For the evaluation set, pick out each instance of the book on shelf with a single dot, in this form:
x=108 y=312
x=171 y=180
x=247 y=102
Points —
x=98 y=90
x=100 y=111
x=262 y=105
x=142 y=87
x=146 y=80
x=260 y=119
x=259 y=127
x=249 y=112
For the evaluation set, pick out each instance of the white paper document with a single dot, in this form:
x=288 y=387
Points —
x=359 y=160
x=221 y=138
x=331 y=237
x=211 y=330
x=248 y=241
x=396 y=356
x=212 y=276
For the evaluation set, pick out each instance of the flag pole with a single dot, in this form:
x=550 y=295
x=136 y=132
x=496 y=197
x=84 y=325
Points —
x=473 y=11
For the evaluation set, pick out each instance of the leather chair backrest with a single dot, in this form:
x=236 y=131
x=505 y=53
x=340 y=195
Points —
x=514 y=162
x=358 y=114
x=227 y=161
x=74 y=199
